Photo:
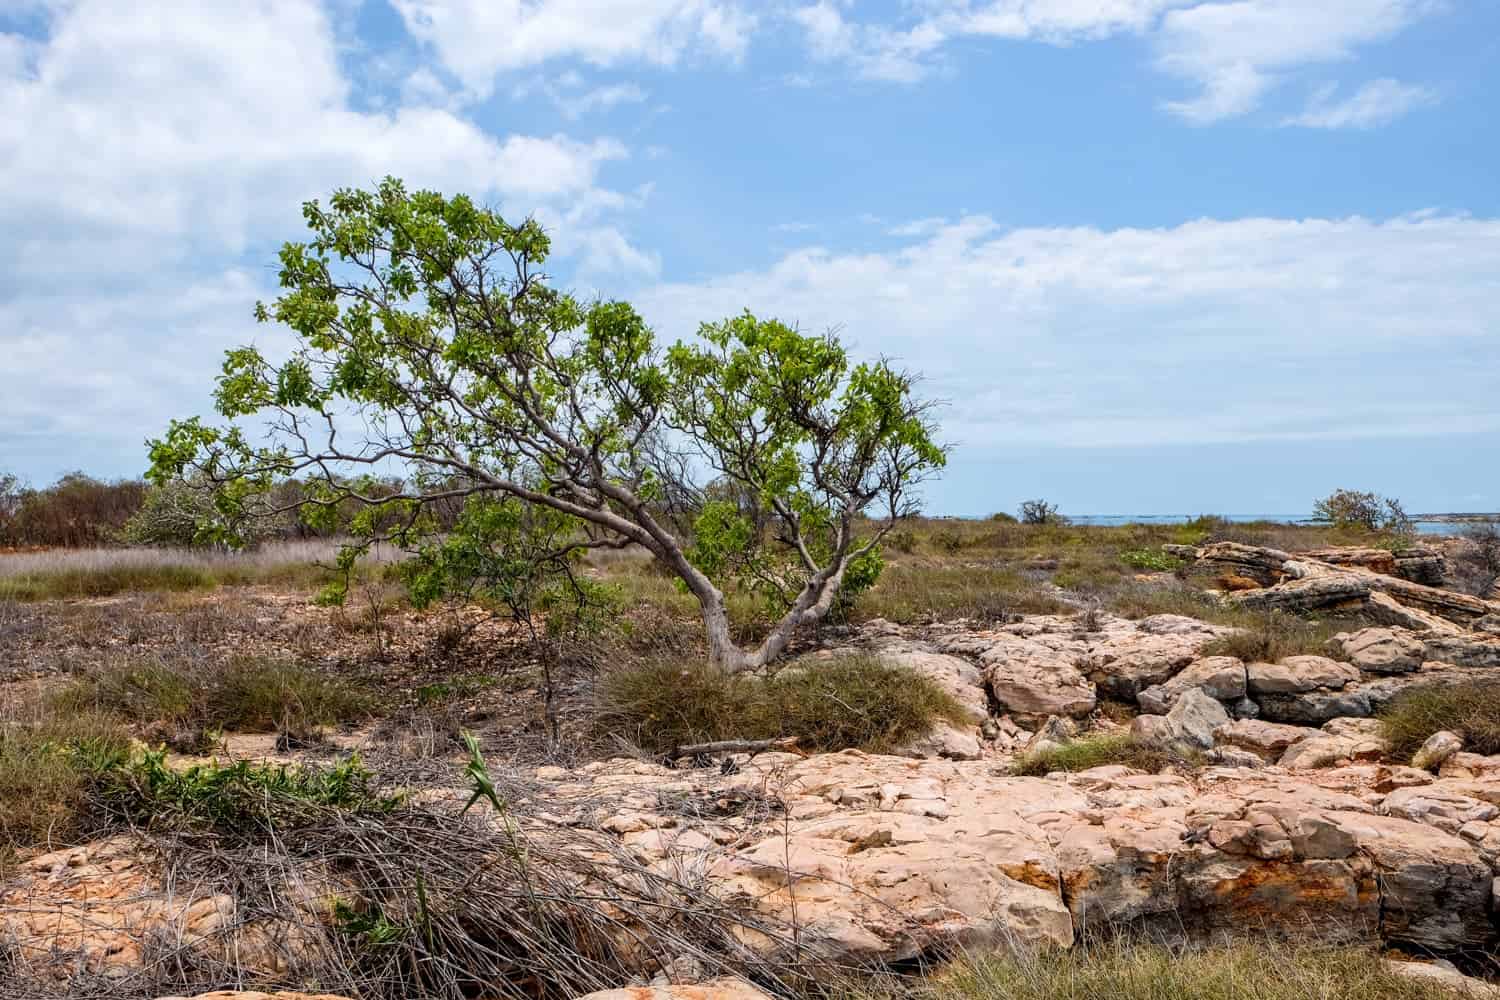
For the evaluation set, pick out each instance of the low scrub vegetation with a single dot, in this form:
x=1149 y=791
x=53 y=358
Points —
x=45 y=768
x=1096 y=751
x=828 y=705
x=1268 y=637
x=1471 y=709
x=1128 y=970
x=168 y=699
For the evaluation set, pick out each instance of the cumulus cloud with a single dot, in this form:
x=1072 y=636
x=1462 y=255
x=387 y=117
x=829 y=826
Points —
x=478 y=39
x=1210 y=331
x=1236 y=52
x=1233 y=52
x=148 y=164
x=1378 y=102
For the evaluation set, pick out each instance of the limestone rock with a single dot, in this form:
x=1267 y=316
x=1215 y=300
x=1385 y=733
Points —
x=1445 y=974
x=1381 y=650
x=1435 y=749
x=1219 y=677
x=957 y=676
x=1296 y=674
x=1268 y=739
x=1315 y=707
x=1195 y=717
x=717 y=989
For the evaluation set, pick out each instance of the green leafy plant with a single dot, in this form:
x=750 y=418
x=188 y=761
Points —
x=429 y=316
x=1152 y=559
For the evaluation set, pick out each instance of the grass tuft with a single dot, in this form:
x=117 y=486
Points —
x=1128 y=970
x=245 y=695
x=829 y=705
x=44 y=775
x=1471 y=709
x=1267 y=638
x=1096 y=751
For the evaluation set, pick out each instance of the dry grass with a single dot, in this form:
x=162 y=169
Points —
x=1096 y=751
x=72 y=573
x=828 y=705
x=924 y=591
x=1471 y=709
x=1263 y=969
x=1269 y=637
x=44 y=772
x=178 y=701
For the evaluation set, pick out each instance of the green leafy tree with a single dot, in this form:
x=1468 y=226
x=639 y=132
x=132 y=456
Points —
x=1364 y=511
x=426 y=322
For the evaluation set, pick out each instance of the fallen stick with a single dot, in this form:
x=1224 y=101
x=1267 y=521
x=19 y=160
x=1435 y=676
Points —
x=734 y=746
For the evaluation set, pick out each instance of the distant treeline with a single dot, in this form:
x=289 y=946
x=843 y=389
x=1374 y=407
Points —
x=80 y=511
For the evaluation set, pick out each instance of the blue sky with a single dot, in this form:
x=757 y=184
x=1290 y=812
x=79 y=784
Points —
x=1157 y=255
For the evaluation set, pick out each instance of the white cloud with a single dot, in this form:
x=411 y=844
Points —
x=148 y=165
x=1376 y=103
x=1208 y=331
x=1234 y=52
x=1237 y=51
x=477 y=39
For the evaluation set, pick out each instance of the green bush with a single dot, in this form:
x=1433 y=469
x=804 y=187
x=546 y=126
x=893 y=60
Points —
x=828 y=705
x=1471 y=709
x=239 y=799
x=1152 y=559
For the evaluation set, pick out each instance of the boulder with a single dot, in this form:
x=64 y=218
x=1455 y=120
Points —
x=1381 y=650
x=1268 y=739
x=1315 y=707
x=955 y=675
x=1219 y=677
x=1435 y=749
x=1330 y=749
x=1195 y=717
x=1446 y=975
x=1295 y=674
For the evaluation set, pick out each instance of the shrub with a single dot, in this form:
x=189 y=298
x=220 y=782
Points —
x=1152 y=559
x=827 y=705
x=1363 y=511
x=77 y=510
x=1126 y=969
x=240 y=799
x=1477 y=560
x=1040 y=512
x=1471 y=709
x=1096 y=751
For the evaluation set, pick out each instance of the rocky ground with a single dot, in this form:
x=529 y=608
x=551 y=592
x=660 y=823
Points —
x=1295 y=819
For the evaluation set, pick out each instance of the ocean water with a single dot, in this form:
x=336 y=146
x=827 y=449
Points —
x=1423 y=527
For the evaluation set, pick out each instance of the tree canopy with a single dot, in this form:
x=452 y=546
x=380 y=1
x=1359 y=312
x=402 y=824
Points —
x=427 y=337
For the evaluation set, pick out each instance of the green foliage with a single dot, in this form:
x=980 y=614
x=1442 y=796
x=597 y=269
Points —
x=1096 y=751
x=1122 y=968
x=241 y=799
x=1471 y=709
x=549 y=419
x=829 y=705
x=1363 y=511
x=1152 y=559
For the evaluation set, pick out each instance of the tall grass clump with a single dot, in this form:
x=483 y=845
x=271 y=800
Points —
x=1471 y=709
x=1123 y=969
x=1269 y=637
x=46 y=763
x=827 y=705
